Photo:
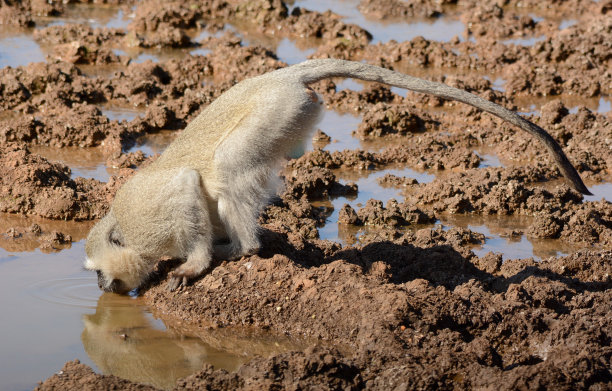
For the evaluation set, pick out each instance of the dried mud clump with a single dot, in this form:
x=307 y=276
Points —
x=39 y=86
x=560 y=212
x=82 y=126
x=382 y=119
x=162 y=24
x=76 y=374
x=355 y=101
x=79 y=44
x=21 y=13
x=490 y=21
x=394 y=214
x=316 y=183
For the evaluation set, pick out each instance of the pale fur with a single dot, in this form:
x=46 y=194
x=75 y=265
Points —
x=212 y=181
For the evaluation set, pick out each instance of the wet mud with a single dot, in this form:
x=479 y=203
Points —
x=404 y=294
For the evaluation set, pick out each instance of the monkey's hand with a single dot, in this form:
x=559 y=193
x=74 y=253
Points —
x=177 y=281
x=181 y=277
x=186 y=272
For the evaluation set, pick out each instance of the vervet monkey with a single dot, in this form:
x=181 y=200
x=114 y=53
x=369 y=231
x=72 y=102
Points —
x=212 y=181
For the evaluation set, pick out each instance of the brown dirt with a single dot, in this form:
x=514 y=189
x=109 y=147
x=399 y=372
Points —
x=409 y=305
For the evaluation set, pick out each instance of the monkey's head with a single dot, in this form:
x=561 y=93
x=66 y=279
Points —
x=120 y=269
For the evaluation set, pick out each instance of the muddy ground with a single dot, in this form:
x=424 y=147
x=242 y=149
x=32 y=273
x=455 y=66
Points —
x=403 y=308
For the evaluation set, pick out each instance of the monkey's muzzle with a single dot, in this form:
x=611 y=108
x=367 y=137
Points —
x=115 y=286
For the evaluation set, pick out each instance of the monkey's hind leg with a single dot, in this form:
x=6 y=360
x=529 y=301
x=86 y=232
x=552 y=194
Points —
x=191 y=227
x=239 y=202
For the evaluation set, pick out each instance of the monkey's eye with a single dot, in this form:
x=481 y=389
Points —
x=115 y=238
x=116 y=242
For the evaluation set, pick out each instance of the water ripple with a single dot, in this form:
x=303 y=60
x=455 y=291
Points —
x=80 y=292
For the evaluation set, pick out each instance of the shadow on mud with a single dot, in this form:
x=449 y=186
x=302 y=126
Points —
x=439 y=264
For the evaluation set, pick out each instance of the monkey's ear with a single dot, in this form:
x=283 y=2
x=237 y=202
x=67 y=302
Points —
x=115 y=237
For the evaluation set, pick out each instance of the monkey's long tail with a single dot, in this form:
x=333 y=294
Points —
x=315 y=70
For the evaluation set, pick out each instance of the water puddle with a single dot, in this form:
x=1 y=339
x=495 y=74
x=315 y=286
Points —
x=289 y=52
x=369 y=188
x=530 y=41
x=19 y=49
x=532 y=104
x=96 y=16
x=114 y=334
x=339 y=127
x=121 y=114
x=83 y=162
x=604 y=106
x=140 y=55
x=497 y=84
x=200 y=52
x=499 y=238
x=439 y=29
x=352 y=84
x=488 y=159
x=565 y=23
x=531 y=110
x=24 y=238
x=123 y=338
x=154 y=143
x=600 y=191
x=601 y=106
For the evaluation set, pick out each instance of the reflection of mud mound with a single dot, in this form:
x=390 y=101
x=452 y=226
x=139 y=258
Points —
x=122 y=340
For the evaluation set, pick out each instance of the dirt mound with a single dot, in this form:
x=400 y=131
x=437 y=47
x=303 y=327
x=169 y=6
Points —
x=424 y=317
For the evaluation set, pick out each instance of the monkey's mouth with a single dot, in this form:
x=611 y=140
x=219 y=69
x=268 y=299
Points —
x=115 y=286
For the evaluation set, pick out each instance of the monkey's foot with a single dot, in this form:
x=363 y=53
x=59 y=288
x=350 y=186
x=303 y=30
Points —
x=230 y=252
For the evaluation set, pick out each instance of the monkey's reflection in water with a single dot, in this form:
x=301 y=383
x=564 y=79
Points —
x=122 y=340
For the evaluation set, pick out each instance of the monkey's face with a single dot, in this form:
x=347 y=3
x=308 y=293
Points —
x=119 y=268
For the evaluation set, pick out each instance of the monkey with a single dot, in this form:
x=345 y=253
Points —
x=201 y=198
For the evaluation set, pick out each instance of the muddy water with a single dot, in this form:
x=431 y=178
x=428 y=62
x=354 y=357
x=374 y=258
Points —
x=19 y=48
x=53 y=311
x=83 y=162
x=93 y=15
x=504 y=234
x=439 y=29
x=369 y=188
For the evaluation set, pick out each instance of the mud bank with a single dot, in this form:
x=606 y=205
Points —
x=407 y=316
